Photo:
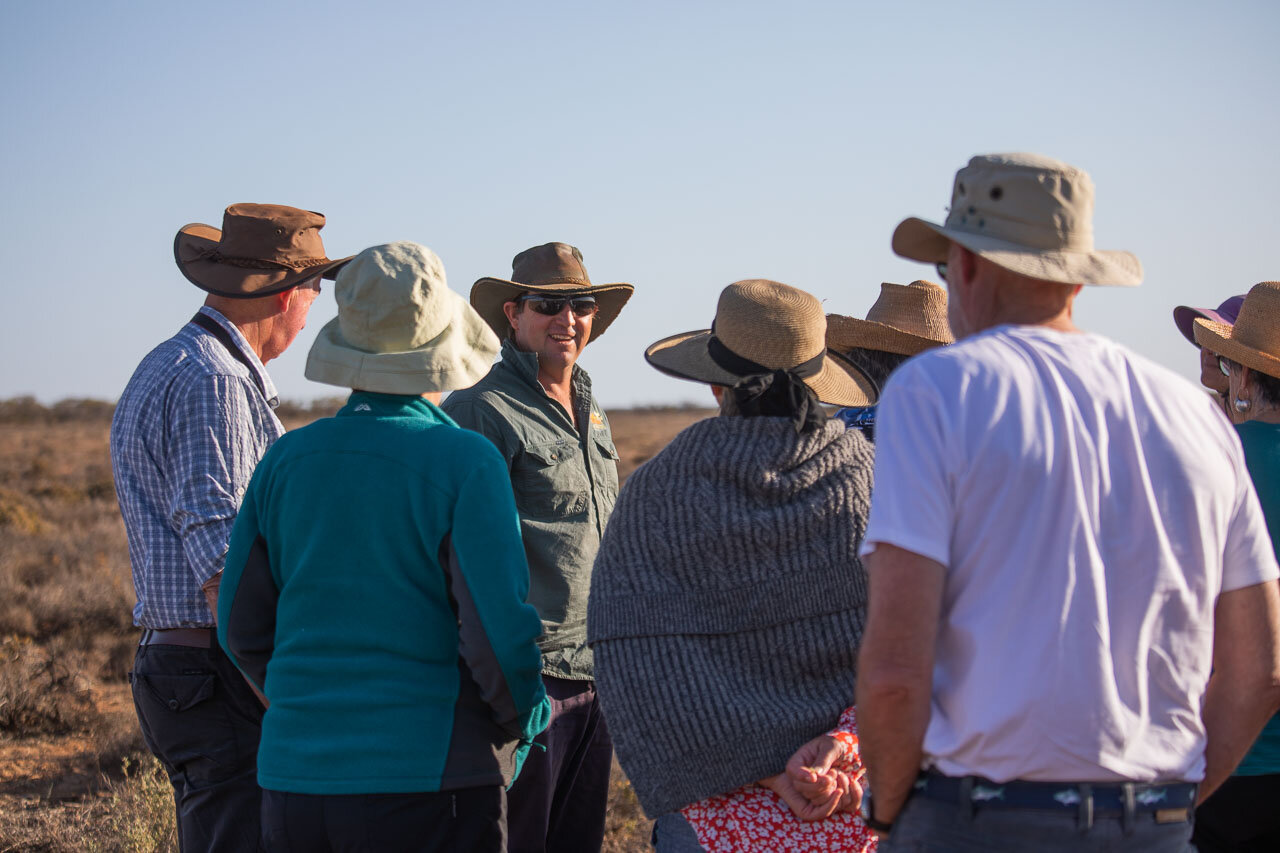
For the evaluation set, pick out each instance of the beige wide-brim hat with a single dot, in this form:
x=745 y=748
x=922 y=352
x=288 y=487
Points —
x=400 y=329
x=906 y=319
x=773 y=325
x=1031 y=215
x=551 y=269
x=1254 y=340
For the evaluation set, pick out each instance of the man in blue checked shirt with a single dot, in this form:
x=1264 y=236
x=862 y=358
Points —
x=188 y=431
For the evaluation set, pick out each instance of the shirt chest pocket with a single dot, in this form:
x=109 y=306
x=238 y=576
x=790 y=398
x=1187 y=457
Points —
x=606 y=466
x=550 y=481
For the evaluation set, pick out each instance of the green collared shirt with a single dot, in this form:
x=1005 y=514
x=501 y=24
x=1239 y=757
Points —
x=565 y=480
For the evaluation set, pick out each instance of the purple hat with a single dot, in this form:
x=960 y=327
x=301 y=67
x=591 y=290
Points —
x=1184 y=316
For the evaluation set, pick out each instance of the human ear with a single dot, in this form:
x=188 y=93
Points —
x=512 y=310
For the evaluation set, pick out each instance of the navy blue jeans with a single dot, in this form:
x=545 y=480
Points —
x=199 y=717
x=926 y=826
x=558 y=802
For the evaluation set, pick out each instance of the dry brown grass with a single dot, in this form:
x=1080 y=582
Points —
x=74 y=774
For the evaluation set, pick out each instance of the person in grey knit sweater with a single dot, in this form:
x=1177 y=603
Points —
x=727 y=597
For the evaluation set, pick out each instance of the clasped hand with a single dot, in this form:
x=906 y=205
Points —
x=812 y=786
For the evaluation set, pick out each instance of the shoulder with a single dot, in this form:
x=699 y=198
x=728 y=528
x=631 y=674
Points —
x=467 y=444
x=188 y=368
x=482 y=410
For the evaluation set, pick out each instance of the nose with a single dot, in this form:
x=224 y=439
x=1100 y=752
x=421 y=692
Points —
x=566 y=314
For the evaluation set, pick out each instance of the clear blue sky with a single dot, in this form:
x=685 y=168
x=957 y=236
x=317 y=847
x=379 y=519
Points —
x=680 y=145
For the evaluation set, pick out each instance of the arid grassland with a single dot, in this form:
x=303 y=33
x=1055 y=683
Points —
x=74 y=774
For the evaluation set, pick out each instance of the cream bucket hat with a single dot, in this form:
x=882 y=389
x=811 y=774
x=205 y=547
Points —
x=1254 y=339
x=1029 y=214
x=907 y=319
x=400 y=329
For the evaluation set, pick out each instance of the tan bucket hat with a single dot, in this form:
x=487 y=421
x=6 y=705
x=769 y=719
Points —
x=262 y=249
x=552 y=268
x=1254 y=340
x=773 y=327
x=1029 y=214
x=906 y=319
x=400 y=329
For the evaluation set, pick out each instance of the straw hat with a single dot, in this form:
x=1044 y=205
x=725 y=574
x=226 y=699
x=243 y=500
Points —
x=400 y=329
x=1185 y=315
x=1029 y=214
x=1254 y=340
x=262 y=249
x=906 y=319
x=552 y=268
x=761 y=326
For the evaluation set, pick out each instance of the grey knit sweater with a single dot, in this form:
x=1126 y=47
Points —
x=727 y=603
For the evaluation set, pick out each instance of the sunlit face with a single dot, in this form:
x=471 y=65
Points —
x=294 y=318
x=557 y=340
x=955 y=300
x=1211 y=375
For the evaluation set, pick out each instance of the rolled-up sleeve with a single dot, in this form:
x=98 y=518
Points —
x=212 y=452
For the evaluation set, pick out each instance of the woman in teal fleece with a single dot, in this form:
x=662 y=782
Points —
x=375 y=587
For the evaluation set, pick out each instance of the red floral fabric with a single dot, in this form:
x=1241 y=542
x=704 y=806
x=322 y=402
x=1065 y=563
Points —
x=753 y=819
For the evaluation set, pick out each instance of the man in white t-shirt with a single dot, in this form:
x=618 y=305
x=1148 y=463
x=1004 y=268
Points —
x=1063 y=543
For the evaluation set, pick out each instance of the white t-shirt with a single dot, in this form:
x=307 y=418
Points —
x=1089 y=506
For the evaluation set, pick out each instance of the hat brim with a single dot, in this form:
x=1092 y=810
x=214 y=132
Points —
x=1217 y=337
x=488 y=295
x=685 y=356
x=845 y=333
x=919 y=240
x=191 y=249
x=1184 y=317
x=458 y=357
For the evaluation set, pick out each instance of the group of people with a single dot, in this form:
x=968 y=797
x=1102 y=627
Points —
x=1017 y=592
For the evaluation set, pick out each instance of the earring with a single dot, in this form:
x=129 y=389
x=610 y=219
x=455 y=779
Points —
x=1242 y=406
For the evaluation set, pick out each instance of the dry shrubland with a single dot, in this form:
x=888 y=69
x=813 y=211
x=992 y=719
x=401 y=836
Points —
x=74 y=774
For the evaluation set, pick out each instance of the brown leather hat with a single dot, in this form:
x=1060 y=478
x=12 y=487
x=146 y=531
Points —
x=262 y=249
x=552 y=268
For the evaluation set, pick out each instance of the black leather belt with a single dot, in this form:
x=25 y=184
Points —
x=200 y=638
x=1099 y=799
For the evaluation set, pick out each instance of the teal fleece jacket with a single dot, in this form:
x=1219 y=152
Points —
x=375 y=590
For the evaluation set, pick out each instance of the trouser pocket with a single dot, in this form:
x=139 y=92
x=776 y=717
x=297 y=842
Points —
x=187 y=724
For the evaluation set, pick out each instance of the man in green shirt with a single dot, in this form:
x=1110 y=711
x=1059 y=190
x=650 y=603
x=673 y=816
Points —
x=536 y=406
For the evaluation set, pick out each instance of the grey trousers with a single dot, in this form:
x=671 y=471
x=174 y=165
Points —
x=673 y=834
x=932 y=825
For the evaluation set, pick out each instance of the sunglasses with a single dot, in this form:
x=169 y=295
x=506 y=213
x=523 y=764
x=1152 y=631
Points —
x=942 y=270
x=1224 y=366
x=583 y=306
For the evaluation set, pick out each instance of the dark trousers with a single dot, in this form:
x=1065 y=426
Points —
x=202 y=721
x=469 y=819
x=1242 y=815
x=933 y=826
x=558 y=802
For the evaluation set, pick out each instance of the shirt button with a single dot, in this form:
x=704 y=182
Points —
x=173 y=704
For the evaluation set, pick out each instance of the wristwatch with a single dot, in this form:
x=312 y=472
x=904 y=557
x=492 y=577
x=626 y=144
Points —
x=869 y=818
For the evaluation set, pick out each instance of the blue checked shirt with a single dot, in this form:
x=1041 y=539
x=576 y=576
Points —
x=186 y=436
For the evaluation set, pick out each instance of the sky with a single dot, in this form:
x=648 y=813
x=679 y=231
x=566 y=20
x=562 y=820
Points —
x=680 y=145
